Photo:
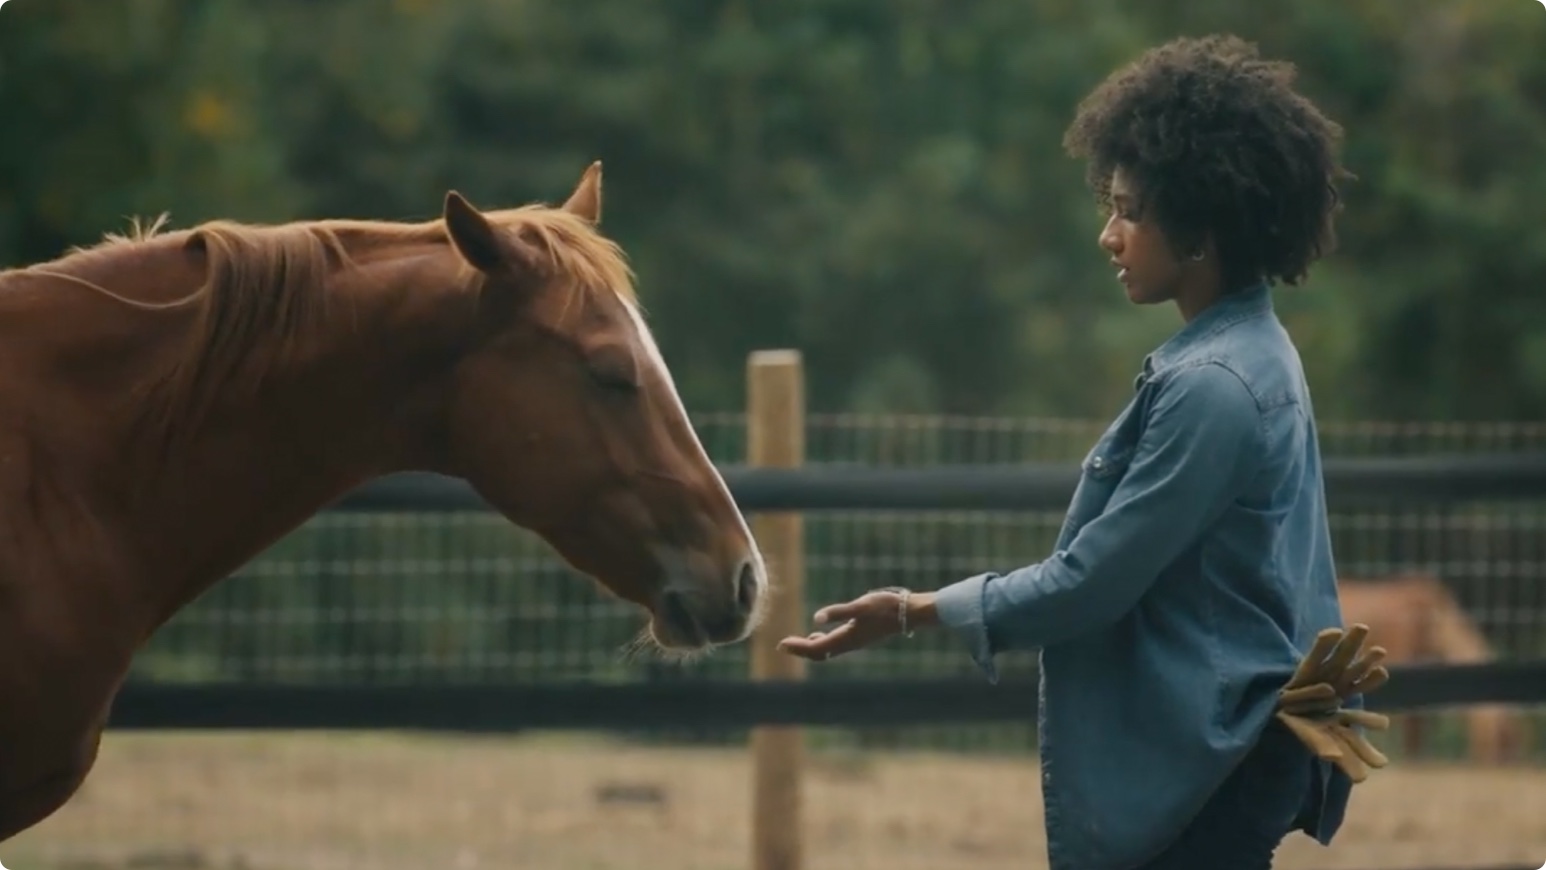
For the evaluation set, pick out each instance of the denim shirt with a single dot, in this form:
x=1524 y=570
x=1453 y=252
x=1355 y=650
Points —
x=1192 y=572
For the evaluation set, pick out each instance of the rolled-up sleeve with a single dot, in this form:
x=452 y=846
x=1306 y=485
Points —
x=1201 y=445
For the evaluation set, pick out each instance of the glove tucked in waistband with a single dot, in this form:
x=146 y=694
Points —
x=1311 y=703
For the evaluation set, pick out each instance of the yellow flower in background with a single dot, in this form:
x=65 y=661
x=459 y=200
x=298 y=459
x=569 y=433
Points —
x=208 y=115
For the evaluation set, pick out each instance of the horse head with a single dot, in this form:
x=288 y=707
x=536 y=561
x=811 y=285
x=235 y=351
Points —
x=564 y=417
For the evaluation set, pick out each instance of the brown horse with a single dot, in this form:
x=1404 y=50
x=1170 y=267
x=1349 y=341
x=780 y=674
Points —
x=174 y=403
x=1418 y=620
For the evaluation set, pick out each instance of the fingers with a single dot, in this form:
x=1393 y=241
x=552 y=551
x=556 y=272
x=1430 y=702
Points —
x=1336 y=744
x=1312 y=701
x=1309 y=669
x=1345 y=651
x=1361 y=747
x=1354 y=766
x=1365 y=718
x=862 y=621
x=837 y=612
x=876 y=604
x=1335 y=658
x=821 y=645
x=1315 y=695
x=1316 y=739
x=1360 y=669
x=1376 y=678
x=1336 y=741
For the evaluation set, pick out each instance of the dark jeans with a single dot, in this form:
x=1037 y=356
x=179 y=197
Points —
x=1252 y=812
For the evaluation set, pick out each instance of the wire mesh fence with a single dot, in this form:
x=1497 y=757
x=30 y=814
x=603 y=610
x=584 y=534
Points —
x=464 y=597
x=433 y=597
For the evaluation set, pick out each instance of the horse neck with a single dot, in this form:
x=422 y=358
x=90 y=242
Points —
x=353 y=397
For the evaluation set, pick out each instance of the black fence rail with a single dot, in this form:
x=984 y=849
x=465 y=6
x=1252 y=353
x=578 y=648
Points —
x=1021 y=487
x=706 y=703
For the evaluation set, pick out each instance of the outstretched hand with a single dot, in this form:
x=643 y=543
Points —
x=872 y=617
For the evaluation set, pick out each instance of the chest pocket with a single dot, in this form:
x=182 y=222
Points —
x=1101 y=470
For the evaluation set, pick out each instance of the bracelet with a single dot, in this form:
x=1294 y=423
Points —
x=901 y=608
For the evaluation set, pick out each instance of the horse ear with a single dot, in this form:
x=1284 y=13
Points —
x=474 y=236
x=586 y=199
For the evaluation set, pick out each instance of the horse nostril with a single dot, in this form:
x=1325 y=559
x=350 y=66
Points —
x=675 y=610
x=746 y=587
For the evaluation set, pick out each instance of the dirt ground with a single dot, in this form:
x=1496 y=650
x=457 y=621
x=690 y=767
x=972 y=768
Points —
x=388 y=802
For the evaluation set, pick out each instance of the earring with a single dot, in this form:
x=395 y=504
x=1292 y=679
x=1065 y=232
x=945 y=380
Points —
x=1199 y=255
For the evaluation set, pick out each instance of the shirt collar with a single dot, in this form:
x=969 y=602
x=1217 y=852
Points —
x=1247 y=302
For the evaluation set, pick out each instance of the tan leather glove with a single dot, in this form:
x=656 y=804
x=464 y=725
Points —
x=1311 y=703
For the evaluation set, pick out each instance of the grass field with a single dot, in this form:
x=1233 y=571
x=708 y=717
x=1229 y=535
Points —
x=399 y=802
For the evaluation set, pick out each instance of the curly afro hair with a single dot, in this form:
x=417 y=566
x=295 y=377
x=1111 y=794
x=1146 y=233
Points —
x=1218 y=143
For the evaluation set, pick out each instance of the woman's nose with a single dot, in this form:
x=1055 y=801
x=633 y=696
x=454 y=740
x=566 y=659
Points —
x=1108 y=238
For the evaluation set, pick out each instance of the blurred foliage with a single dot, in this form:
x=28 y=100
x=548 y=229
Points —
x=880 y=184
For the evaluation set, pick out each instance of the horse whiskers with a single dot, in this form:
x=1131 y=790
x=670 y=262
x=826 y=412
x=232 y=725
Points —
x=637 y=647
x=643 y=645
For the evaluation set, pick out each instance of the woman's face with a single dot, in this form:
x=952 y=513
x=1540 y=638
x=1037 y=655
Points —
x=1147 y=268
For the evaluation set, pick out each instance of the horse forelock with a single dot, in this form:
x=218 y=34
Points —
x=590 y=261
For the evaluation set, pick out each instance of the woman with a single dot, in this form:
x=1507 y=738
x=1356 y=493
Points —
x=1194 y=568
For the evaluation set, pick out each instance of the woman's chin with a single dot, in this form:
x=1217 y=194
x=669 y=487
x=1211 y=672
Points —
x=1137 y=295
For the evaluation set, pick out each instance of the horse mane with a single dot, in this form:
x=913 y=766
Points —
x=264 y=287
x=572 y=244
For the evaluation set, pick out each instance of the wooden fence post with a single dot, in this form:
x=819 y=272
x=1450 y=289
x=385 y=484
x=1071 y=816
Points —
x=775 y=437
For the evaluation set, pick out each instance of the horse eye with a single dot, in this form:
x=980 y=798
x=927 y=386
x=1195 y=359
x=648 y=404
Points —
x=615 y=369
x=615 y=380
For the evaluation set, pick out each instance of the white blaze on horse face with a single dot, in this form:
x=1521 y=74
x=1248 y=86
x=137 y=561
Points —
x=655 y=360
